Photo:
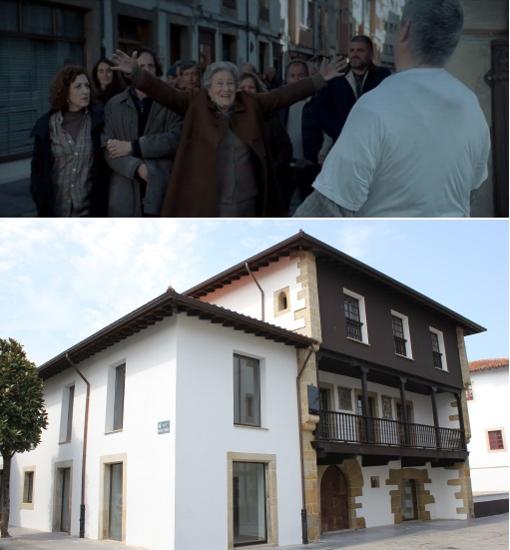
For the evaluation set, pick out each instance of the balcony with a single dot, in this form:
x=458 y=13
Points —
x=349 y=434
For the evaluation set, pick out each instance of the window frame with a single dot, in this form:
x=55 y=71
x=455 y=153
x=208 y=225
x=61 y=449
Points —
x=27 y=494
x=237 y=397
x=340 y=408
x=111 y=397
x=276 y=301
x=406 y=331
x=488 y=439
x=442 y=349
x=66 y=414
x=362 y=316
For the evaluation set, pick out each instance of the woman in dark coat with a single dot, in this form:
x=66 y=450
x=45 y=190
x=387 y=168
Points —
x=107 y=83
x=69 y=177
x=222 y=167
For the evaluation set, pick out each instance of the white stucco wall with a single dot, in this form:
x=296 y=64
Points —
x=376 y=503
x=180 y=370
x=244 y=296
x=488 y=410
x=149 y=398
x=206 y=431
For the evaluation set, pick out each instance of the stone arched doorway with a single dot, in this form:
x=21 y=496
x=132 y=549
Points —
x=334 y=500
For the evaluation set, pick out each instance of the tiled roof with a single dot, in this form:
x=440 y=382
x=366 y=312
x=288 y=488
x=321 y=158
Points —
x=488 y=364
x=166 y=305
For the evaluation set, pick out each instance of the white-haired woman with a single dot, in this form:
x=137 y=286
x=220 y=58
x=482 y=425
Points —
x=223 y=165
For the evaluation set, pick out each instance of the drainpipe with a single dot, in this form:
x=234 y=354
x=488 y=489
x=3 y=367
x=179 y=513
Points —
x=260 y=288
x=84 y=458
x=304 y=520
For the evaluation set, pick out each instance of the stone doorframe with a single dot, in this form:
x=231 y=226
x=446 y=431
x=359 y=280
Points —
x=351 y=470
x=423 y=496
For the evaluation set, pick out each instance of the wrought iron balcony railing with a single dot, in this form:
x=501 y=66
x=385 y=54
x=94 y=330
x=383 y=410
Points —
x=352 y=428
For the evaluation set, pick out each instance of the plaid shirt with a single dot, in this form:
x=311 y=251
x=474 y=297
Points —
x=72 y=167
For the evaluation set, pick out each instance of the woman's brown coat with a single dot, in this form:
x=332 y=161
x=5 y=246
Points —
x=193 y=189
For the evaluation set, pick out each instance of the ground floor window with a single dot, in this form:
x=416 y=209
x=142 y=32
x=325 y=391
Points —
x=112 y=521
x=252 y=499
x=249 y=503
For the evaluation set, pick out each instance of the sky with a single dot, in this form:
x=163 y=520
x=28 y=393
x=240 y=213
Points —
x=62 y=280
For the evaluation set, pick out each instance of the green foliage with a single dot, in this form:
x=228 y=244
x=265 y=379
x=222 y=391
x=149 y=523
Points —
x=22 y=413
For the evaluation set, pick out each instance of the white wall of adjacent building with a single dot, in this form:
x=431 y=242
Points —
x=244 y=296
x=488 y=410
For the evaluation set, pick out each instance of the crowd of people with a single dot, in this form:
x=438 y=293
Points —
x=224 y=141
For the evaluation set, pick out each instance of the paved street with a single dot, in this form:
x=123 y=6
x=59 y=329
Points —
x=15 y=199
x=489 y=533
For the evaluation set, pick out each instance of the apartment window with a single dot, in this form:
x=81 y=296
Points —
x=401 y=334
x=438 y=351
x=345 y=399
x=66 y=419
x=246 y=391
x=306 y=14
x=133 y=33
x=28 y=487
x=118 y=406
x=355 y=316
x=264 y=10
x=496 y=442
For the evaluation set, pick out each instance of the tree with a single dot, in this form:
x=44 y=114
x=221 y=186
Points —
x=22 y=413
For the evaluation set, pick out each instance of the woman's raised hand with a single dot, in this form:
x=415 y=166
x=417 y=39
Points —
x=336 y=68
x=123 y=62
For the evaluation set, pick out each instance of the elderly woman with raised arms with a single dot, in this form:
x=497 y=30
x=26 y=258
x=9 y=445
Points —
x=223 y=166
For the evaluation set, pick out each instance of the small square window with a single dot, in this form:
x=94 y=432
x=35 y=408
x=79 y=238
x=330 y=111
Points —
x=345 y=399
x=374 y=482
x=281 y=301
x=496 y=440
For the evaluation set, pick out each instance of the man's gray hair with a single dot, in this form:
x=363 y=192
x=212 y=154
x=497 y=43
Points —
x=214 y=68
x=436 y=27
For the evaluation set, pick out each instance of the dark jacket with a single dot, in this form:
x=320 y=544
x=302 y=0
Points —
x=157 y=145
x=338 y=98
x=193 y=190
x=311 y=128
x=41 y=185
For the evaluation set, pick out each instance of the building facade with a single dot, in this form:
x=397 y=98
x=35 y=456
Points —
x=184 y=421
x=384 y=422
x=487 y=397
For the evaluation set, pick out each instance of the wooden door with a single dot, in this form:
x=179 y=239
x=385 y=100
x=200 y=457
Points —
x=408 y=496
x=334 y=502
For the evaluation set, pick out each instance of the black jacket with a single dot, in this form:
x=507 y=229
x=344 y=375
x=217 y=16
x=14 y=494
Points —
x=337 y=99
x=41 y=185
x=311 y=128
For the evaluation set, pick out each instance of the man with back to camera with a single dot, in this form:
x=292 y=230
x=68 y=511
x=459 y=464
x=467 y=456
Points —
x=339 y=97
x=417 y=145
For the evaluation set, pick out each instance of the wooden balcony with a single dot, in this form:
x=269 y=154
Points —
x=341 y=434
